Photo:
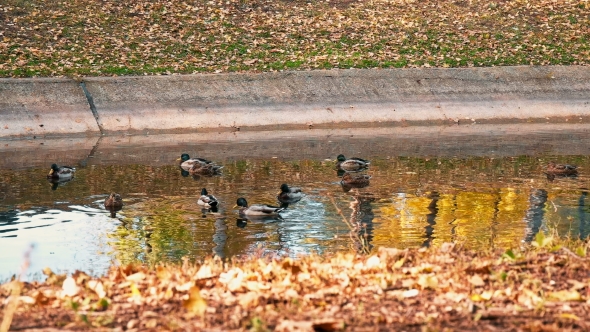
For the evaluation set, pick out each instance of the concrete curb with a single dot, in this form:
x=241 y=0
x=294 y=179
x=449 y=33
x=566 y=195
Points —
x=323 y=97
x=44 y=106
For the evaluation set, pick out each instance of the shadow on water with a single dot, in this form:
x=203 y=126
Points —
x=426 y=188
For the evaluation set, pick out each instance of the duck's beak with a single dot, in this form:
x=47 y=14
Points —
x=51 y=171
x=235 y=206
x=178 y=159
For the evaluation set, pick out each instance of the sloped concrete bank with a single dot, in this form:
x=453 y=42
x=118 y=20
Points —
x=296 y=99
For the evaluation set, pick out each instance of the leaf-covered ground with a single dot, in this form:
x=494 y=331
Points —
x=542 y=288
x=111 y=37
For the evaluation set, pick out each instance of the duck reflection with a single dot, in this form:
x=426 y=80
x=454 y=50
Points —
x=55 y=183
x=242 y=221
x=184 y=173
x=350 y=180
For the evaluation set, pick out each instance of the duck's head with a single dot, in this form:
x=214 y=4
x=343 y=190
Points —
x=184 y=157
x=241 y=202
x=204 y=192
x=54 y=168
x=341 y=157
x=284 y=188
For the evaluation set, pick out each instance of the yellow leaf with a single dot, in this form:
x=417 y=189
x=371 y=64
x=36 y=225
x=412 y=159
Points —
x=399 y=263
x=195 y=304
x=569 y=316
x=427 y=281
x=565 y=295
x=136 y=277
x=134 y=290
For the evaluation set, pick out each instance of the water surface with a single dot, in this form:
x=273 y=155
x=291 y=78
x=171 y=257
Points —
x=481 y=185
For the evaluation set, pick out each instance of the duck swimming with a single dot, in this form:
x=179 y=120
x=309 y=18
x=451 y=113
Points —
x=561 y=169
x=351 y=164
x=289 y=194
x=187 y=162
x=208 y=201
x=207 y=169
x=113 y=203
x=256 y=209
x=61 y=172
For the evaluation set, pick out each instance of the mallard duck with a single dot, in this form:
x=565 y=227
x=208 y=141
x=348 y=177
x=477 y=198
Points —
x=561 y=169
x=355 y=180
x=187 y=162
x=113 y=203
x=207 y=169
x=256 y=209
x=289 y=194
x=351 y=164
x=208 y=201
x=61 y=172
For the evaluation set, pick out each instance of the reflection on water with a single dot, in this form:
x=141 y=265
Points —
x=411 y=201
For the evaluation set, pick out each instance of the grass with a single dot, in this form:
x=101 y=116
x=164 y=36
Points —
x=98 y=38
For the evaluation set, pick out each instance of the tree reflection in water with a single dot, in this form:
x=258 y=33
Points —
x=535 y=213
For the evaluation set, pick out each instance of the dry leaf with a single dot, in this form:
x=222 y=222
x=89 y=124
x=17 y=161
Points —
x=195 y=304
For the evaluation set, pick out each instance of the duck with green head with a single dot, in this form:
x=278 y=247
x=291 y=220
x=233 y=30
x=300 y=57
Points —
x=351 y=164
x=289 y=195
x=207 y=200
x=186 y=162
x=256 y=209
x=61 y=172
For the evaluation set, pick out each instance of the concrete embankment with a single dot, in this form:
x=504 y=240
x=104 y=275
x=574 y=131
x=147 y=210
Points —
x=292 y=99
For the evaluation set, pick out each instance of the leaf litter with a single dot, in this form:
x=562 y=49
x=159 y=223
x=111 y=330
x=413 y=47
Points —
x=539 y=288
x=108 y=37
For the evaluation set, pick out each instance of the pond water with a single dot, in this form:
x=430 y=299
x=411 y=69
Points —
x=482 y=185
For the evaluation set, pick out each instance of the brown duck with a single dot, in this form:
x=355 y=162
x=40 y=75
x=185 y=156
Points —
x=561 y=169
x=113 y=203
x=208 y=169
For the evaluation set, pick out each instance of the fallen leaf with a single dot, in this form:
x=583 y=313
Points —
x=195 y=304
x=565 y=295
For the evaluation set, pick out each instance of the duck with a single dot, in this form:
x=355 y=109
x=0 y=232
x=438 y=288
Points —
x=113 y=203
x=351 y=164
x=61 y=172
x=289 y=194
x=256 y=209
x=350 y=180
x=187 y=162
x=208 y=201
x=561 y=169
x=207 y=169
